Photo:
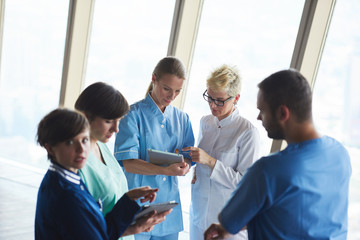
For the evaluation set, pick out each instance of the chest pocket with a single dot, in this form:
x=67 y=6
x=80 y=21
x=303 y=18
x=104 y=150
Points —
x=229 y=158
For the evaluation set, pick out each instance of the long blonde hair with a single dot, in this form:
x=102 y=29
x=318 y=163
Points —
x=168 y=65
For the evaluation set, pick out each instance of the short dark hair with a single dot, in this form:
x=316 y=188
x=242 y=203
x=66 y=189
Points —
x=290 y=88
x=102 y=100
x=60 y=125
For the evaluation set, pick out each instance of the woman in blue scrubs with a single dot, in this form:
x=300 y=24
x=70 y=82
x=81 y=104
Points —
x=154 y=123
x=65 y=209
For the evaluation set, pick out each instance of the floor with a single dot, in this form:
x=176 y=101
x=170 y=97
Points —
x=18 y=191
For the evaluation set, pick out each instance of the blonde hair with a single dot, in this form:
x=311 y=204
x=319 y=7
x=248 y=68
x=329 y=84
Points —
x=168 y=65
x=225 y=78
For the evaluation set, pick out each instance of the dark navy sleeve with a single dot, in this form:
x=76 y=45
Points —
x=78 y=217
x=121 y=216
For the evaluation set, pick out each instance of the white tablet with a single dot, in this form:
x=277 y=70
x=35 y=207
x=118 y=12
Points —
x=164 y=158
x=159 y=207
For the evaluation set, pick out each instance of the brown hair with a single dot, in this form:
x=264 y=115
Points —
x=60 y=125
x=102 y=100
x=168 y=65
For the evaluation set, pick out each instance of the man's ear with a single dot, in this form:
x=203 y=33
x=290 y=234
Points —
x=283 y=113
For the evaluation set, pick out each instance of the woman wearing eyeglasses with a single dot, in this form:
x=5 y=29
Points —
x=154 y=123
x=228 y=145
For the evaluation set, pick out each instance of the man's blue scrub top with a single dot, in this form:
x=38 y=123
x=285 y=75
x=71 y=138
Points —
x=145 y=126
x=66 y=210
x=298 y=193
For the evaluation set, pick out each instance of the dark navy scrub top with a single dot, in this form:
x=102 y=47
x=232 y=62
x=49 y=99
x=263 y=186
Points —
x=66 y=210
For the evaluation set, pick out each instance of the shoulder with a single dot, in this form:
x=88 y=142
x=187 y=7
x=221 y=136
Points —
x=329 y=141
x=137 y=106
x=207 y=118
x=207 y=121
x=242 y=122
x=330 y=145
x=268 y=162
x=176 y=112
x=57 y=190
x=103 y=148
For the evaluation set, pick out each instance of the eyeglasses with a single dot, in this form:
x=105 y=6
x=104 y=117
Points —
x=219 y=103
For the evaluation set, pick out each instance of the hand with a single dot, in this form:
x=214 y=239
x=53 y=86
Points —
x=216 y=231
x=200 y=156
x=193 y=180
x=178 y=169
x=146 y=193
x=146 y=223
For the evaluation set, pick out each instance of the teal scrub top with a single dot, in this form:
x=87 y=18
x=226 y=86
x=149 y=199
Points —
x=144 y=127
x=105 y=182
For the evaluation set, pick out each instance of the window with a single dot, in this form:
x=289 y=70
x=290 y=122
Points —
x=248 y=35
x=31 y=69
x=127 y=41
x=336 y=102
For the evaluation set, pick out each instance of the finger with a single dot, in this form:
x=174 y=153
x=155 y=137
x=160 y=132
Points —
x=210 y=234
x=153 y=196
x=187 y=149
x=166 y=212
x=151 y=214
x=183 y=164
x=149 y=197
x=150 y=191
x=193 y=181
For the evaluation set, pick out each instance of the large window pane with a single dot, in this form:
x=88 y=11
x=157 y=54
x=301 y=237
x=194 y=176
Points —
x=336 y=97
x=127 y=41
x=31 y=66
x=246 y=34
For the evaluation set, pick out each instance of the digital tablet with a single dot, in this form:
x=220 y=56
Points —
x=159 y=207
x=164 y=158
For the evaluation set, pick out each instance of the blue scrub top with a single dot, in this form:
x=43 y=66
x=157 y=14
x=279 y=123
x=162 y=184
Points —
x=66 y=210
x=144 y=127
x=298 y=193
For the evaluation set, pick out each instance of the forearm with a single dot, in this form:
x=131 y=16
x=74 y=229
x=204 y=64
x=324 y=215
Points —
x=225 y=175
x=121 y=216
x=139 y=166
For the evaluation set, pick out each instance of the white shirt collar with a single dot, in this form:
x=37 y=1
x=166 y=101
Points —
x=68 y=175
x=228 y=119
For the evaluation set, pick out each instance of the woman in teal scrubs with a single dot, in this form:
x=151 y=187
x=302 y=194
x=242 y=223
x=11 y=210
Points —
x=154 y=123
x=104 y=106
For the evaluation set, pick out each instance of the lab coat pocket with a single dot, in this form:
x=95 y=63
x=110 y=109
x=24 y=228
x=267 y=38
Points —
x=229 y=158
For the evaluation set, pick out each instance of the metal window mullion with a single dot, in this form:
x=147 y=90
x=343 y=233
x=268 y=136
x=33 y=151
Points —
x=183 y=37
x=310 y=41
x=76 y=50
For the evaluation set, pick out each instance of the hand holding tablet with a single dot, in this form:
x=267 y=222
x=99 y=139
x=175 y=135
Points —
x=164 y=158
x=159 y=207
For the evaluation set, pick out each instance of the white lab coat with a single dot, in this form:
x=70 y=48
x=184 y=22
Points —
x=235 y=143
